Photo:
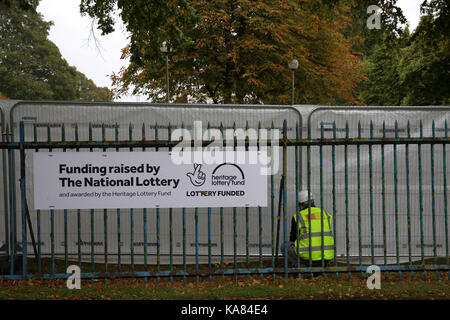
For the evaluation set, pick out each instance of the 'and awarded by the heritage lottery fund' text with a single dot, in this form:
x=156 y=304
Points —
x=128 y=194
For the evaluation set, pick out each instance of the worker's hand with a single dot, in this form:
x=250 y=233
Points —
x=197 y=177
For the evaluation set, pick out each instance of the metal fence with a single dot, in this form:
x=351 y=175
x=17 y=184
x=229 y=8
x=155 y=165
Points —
x=4 y=229
x=385 y=181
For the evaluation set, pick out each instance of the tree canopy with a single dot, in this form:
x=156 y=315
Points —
x=424 y=65
x=411 y=69
x=31 y=66
x=235 y=51
x=440 y=11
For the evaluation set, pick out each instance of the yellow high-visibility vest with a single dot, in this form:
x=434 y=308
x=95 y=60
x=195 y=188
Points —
x=302 y=246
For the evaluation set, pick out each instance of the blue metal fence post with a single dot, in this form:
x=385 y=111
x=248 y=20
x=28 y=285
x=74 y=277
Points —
x=333 y=165
x=78 y=210
x=347 y=233
x=397 y=238
x=444 y=174
x=358 y=187
x=11 y=201
x=52 y=216
x=322 y=245
x=158 y=235
x=144 y=214
x=23 y=200
x=105 y=216
x=38 y=217
x=119 y=262
x=92 y=215
x=272 y=208
x=433 y=202
x=169 y=139
x=66 y=257
x=286 y=269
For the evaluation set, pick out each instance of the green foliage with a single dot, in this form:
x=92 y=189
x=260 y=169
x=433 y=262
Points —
x=150 y=23
x=365 y=39
x=424 y=66
x=31 y=66
x=382 y=87
x=21 y=4
x=410 y=69
x=235 y=51
x=440 y=10
x=88 y=91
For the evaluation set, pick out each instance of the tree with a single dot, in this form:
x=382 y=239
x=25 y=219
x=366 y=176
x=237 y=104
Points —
x=31 y=66
x=147 y=21
x=88 y=91
x=235 y=51
x=21 y=4
x=440 y=11
x=423 y=67
x=382 y=87
x=410 y=69
x=391 y=18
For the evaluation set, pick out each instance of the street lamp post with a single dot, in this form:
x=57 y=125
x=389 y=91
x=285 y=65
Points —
x=293 y=65
x=165 y=50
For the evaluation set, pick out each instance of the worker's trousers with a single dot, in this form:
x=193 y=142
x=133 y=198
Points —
x=294 y=259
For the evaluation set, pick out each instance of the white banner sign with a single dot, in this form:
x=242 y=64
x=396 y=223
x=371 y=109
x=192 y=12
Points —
x=108 y=180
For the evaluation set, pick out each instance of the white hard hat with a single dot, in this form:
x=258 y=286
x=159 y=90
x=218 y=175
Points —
x=303 y=196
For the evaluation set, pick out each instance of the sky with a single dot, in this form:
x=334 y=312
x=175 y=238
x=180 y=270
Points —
x=72 y=33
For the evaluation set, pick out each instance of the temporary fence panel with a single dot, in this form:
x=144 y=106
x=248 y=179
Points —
x=153 y=236
x=389 y=201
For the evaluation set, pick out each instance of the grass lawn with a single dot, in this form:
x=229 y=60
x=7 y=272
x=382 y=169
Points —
x=252 y=287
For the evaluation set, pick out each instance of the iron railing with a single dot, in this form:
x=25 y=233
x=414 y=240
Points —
x=268 y=221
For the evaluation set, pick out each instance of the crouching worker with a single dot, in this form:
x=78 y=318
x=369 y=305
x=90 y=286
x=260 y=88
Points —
x=299 y=248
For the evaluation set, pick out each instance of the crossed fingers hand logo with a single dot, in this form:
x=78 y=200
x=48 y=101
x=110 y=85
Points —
x=197 y=177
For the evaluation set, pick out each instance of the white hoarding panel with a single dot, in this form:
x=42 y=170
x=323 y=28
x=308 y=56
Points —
x=366 y=201
x=378 y=165
x=43 y=122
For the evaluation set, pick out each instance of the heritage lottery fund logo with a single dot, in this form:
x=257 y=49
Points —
x=224 y=175
x=221 y=175
x=197 y=177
